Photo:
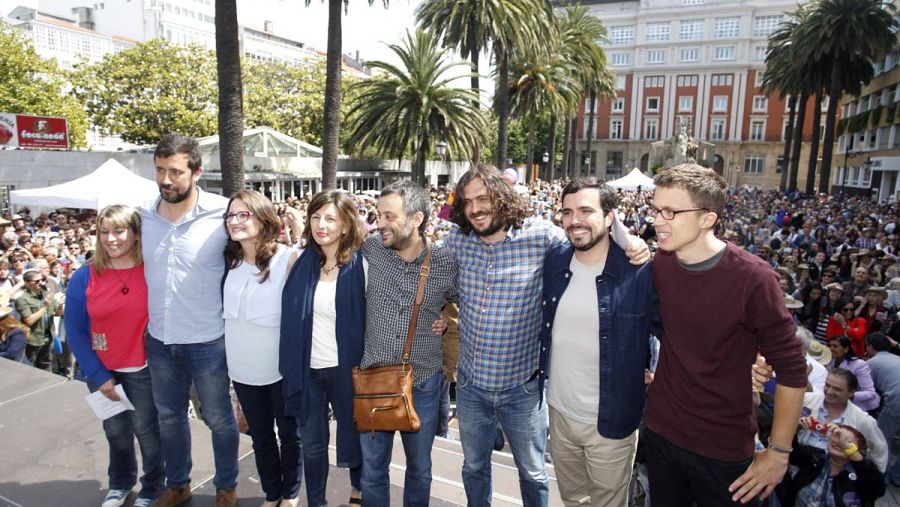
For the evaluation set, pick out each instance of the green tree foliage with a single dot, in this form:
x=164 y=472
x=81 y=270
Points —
x=150 y=89
x=32 y=85
x=411 y=107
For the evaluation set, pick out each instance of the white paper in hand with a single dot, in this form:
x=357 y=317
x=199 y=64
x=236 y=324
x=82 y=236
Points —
x=104 y=407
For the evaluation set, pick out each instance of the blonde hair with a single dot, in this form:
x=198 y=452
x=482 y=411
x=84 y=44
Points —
x=118 y=215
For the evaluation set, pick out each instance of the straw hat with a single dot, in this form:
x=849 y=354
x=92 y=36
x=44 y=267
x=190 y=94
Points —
x=792 y=304
x=834 y=286
x=877 y=290
x=819 y=352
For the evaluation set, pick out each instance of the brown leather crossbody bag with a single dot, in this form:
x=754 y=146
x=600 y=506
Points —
x=382 y=397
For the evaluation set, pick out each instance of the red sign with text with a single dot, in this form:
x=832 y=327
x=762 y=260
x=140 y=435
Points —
x=27 y=131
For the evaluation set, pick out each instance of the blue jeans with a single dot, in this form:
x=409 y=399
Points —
x=279 y=473
x=121 y=429
x=523 y=418
x=443 y=427
x=376 y=452
x=316 y=435
x=173 y=369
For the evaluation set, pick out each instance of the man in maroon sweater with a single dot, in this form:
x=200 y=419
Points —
x=719 y=305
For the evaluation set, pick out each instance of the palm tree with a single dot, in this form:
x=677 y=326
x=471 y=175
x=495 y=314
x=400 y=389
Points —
x=332 y=121
x=231 y=110
x=410 y=107
x=848 y=34
x=581 y=34
x=473 y=26
x=543 y=88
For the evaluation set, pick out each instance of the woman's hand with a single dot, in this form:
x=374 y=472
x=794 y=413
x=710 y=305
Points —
x=439 y=326
x=108 y=389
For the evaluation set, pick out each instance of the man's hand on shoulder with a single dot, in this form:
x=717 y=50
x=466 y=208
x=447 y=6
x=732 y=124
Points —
x=760 y=479
x=637 y=251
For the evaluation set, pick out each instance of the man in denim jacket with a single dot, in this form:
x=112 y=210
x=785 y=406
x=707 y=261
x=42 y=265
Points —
x=598 y=312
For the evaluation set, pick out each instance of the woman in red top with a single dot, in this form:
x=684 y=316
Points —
x=847 y=323
x=106 y=316
x=873 y=311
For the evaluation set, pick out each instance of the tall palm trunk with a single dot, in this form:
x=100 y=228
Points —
x=814 y=146
x=419 y=171
x=330 y=134
x=590 y=132
x=834 y=95
x=502 y=103
x=231 y=110
x=788 y=136
x=564 y=173
x=574 y=163
x=551 y=150
x=472 y=46
x=798 y=139
x=529 y=154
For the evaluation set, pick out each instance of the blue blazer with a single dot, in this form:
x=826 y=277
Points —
x=629 y=312
x=296 y=344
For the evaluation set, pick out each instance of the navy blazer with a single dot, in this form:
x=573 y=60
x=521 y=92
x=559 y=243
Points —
x=296 y=344
x=629 y=313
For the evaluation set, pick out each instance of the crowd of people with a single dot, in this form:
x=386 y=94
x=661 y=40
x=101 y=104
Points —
x=542 y=306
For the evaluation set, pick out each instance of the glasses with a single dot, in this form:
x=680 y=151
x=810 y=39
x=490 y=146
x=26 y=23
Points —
x=669 y=214
x=242 y=216
x=847 y=309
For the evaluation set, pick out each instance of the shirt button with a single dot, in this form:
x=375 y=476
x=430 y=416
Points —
x=548 y=324
x=553 y=299
x=566 y=275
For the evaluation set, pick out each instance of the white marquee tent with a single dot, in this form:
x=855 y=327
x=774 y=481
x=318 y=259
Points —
x=633 y=180
x=111 y=183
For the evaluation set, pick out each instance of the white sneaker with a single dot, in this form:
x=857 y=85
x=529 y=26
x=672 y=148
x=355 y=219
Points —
x=143 y=502
x=116 y=497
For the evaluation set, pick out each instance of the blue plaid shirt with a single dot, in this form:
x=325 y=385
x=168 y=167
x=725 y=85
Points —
x=818 y=493
x=500 y=303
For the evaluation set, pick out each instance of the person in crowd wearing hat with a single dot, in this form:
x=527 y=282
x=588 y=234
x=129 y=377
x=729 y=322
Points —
x=699 y=443
x=105 y=321
x=874 y=313
x=36 y=307
x=13 y=335
x=794 y=306
x=833 y=406
x=885 y=367
x=786 y=281
x=817 y=356
x=843 y=356
x=842 y=476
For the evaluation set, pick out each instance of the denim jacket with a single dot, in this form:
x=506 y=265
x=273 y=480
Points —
x=629 y=312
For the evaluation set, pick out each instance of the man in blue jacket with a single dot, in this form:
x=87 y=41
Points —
x=598 y=310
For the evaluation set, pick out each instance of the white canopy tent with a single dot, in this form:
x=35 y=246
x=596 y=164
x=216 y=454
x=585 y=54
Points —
x=111 y=183
x=632 y=181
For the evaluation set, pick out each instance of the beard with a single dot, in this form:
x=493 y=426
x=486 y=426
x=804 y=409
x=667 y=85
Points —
x=179 y=196
x=584 y=244
x=491 y=229
x=399 y=240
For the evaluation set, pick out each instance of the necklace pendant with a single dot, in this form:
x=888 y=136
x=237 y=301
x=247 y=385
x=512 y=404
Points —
x=124 y=290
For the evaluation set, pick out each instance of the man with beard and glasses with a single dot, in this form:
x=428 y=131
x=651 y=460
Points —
x=500 y=255
x=395 y=257
x=595 y=344
x=183 y=243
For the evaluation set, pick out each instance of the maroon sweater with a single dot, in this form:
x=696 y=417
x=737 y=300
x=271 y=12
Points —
x=714 y=322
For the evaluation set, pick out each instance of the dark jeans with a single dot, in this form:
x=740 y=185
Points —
x=263 y=406
x=39 y=356
x=173 y=369
x=443 y=428
x=121 y=430
x=316 y=435
x=679 y=477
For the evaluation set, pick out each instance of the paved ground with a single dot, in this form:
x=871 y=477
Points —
x=53 y=452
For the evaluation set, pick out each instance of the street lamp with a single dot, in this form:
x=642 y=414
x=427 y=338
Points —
x=441 y=147
x=546 y=158
x=587 y=163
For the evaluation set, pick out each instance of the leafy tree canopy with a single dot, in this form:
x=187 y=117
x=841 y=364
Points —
x=32 y=85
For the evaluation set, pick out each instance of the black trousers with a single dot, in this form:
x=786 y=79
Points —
x=39 y=356
x=681 y=478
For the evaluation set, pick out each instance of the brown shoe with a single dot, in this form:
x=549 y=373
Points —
x=173 y=497
x=226 y=497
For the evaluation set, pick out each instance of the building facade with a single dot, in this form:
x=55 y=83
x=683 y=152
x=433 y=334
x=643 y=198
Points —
x=867 y=159
x=695 y=62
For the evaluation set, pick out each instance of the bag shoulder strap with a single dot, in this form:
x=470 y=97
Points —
x=420 y=295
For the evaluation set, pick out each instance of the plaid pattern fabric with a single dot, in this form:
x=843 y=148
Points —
x=818 y=492
x=390 y=297
x=500 y=303
x=868 y=243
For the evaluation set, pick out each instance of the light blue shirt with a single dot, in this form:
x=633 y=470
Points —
x=184 y=263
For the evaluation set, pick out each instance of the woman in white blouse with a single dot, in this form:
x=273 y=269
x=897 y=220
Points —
x=257 y=268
